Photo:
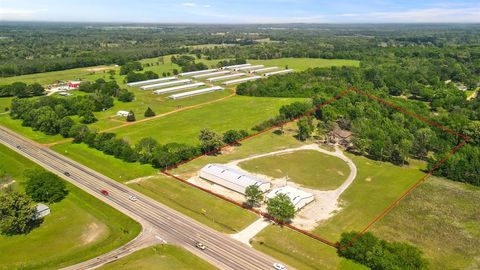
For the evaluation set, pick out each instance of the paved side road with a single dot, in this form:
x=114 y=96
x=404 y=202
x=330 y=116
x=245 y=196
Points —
x=222 y=251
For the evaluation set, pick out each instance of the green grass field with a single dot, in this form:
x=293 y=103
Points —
x=161 y=257
x=377 y=185
x=5 y=103
x=442 y=218
x=199 y=205
x=308 y=168
x=183 y=127
x=79 y=228
x=110 y=166
x=301 y=64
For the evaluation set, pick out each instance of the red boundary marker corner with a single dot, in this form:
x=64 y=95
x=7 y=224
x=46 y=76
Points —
x=376 y=219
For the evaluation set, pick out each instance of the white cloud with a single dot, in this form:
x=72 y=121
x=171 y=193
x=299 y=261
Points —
x=194 y=5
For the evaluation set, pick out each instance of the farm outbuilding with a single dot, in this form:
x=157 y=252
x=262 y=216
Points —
x=41 y=211
x=73 y=84
x=160 y=85
x=151 y=81
x=232 y=179
x=283 y=71
x=252 y=78
x=178 y=88
x=210 y=74
x=248 y=67
x=123 y=113
x=299 y=198
x=263 y=69
x=236 y=66
x=196 y=92
x=219 y=78
x=190 y=73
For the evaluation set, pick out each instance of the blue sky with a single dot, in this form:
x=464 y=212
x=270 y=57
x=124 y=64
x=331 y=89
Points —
x=241 y=11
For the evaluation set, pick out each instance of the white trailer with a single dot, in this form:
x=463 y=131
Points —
x=151 y=81
x=178 y=88
x=225 y=77
x=252 y=78
x=160 y=85
x=248 y=67
x=283 y=71
x=263 y=69
x=196 y=92
x=236 y=66
x=210 y=74
x=197 y=72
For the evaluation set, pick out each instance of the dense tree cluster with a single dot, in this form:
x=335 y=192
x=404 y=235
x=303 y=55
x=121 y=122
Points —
x=381 y=132
x=187 y=63
x=378 y=254
x=231 y=62
x=21 y=90
x=137 y=76
x=17 y=211
x=148 y=150
x=130 y=67
x=43 y=186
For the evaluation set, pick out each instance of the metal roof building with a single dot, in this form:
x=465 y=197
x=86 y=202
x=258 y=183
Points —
x=236 y=66
x=248 y=67
x=210 y=74
x=196 y=92
x=178 y=88
x=197 y=72
x=219 y=78
x=252 y=78
x=299 y=198
x=160 y=85
x=151 y=81
x=41 y=210
x=232 y=179
x=283 y=71
x=263 y=69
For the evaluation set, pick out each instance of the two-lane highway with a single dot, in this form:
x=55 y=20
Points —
x=222 y=251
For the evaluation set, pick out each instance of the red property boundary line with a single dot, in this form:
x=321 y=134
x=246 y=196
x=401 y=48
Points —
x=380 y=216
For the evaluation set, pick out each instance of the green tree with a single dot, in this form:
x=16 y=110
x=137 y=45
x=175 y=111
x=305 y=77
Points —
x=254 y=195
x=233 y=136
x=125 y=96
x=145 y=149
x=209 y=140
x=16 y=213
x=305 y=128
x=131 y=117
x=88 y=117
x=149 y=112
x=65 y=124
x=281 y=208
x=43 y=186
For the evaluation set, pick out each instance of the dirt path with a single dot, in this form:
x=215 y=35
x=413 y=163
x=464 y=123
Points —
x=326 y=202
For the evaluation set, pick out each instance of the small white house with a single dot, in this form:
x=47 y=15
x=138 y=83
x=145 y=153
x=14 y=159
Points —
x=41 y=211
x=123 y=113
x=299 y=198
x=232 y=179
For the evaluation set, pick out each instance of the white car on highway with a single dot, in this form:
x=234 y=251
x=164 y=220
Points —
x=133 y=198
x=279 y=266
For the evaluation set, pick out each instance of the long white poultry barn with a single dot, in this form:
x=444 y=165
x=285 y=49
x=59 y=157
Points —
x=232 y=179
x=283 y=71
x=151 y=81
x=252 y=78
x=236 y=66
x=299 y=198
x=210 y=74
x=263 y=69
x=197 y=72
x=160 y=85
x=220 y=78
x=196 y=92
x=178 y=88
x=248 y=67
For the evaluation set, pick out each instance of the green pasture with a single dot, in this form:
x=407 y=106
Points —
x=301 y=64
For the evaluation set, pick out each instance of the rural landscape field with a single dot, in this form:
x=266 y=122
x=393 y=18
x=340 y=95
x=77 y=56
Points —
x=240 y=135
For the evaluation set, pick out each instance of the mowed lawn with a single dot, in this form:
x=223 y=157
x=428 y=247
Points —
x=377 y=185
x=442 y=218
x=308 y=168
x=301 y=64
x=79 y=227
x=160 y=257
x=238 y=112
x=110 y=166
x=199 y=205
